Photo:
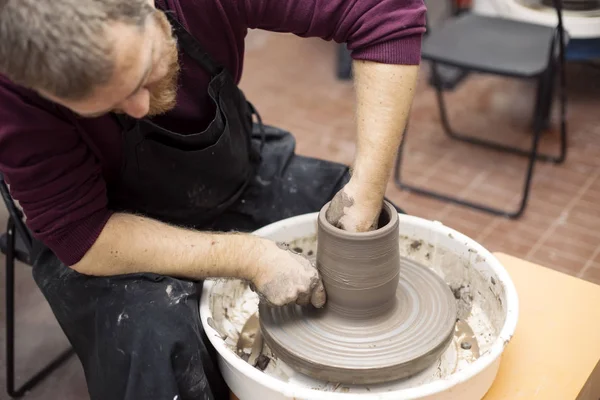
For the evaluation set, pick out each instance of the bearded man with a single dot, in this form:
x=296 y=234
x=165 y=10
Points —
x=139 y=166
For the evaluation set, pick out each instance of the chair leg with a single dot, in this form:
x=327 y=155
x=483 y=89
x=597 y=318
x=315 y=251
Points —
x=481 y=207
x=494 y=145
x=545 y=98
x=562 y=93
x=532 y=158
x=541 y=110
x=10 y=326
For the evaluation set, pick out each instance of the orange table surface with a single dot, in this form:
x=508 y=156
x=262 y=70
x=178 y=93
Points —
x=555 y=351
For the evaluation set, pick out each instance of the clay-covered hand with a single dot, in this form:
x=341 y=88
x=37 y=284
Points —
x=285 y=277
x=354 y=210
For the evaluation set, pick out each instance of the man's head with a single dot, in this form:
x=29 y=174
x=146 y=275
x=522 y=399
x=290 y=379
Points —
x=92 y=56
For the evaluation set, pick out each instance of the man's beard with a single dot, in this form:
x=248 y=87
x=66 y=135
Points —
x=163 y=93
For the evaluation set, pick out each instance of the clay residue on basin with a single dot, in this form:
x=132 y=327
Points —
x=480 y=298
x=481 y=304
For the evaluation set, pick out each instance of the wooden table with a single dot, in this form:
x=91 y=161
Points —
x=555 y=352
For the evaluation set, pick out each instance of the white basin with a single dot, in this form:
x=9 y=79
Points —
x=485 y=295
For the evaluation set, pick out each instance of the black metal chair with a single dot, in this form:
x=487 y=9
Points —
x=504 y=47
x=16 y=244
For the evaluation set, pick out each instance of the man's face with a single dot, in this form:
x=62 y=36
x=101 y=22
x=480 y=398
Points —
x=145 y=79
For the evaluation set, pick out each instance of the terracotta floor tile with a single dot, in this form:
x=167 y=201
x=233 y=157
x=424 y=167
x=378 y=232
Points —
x=517 y=234
x=592 y=274
x=540 y=205
x=569 y=174
x=594 y=188
x=452 y=173
x=587 y=208
x=557 y=188
x=587 y=237
x=581 y=218
x=570 y=245
x=591 y=195
x=596 y=259
x=508 y=247
x=588 y=154
x=480 y=194
x=394 y=195
x=451 y=169
x=442 y=183
x=468 y=215
x=538 y=219
x=423 y=206
x=553 y=194
x=464 y=226
x=489 y=190
x=414 y=175
x=554 y=258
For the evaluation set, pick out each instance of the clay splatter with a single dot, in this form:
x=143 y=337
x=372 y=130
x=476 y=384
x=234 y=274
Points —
x=416 y=245
x=121 y=317
x=174 y=297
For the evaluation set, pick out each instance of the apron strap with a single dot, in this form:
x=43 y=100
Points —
x=192 y=47
x=261 y=127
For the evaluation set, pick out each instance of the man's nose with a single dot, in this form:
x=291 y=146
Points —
x=138 y=105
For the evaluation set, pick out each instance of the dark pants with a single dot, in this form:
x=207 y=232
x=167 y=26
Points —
x=139 y=336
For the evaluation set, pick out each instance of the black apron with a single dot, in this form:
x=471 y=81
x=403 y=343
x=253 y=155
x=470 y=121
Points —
x=189 y=179
x=234 y=175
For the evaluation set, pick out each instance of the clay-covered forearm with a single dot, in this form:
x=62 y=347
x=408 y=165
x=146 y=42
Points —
x=384 y=94
x=131 y=244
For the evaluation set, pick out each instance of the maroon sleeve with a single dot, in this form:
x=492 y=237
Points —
x=52 y=174
x=387 y=31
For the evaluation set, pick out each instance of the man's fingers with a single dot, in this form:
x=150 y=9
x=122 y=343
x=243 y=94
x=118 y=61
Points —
x=303 y=299
x=318 y=296
x=336 y=210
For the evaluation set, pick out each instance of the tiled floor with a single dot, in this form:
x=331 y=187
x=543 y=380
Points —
x=292 y=83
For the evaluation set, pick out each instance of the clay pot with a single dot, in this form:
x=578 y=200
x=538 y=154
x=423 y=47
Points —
x=360 y=271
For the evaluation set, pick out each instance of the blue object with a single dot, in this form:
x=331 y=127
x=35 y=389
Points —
x=583 y=49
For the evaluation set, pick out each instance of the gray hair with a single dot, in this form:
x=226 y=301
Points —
x=60 y=46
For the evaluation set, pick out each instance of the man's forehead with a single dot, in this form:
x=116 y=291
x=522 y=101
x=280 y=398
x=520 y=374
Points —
x=129 y=44
x=131 y=49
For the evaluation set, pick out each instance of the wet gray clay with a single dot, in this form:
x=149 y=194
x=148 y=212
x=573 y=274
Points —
x=386 y=318
x=360 y=271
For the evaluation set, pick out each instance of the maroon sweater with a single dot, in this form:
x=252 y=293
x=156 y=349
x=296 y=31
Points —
x=60 y=174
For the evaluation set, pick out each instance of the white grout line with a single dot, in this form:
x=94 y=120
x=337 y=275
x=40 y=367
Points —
x=567 y=209
x=588 y=264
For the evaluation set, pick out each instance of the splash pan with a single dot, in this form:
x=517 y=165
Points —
x=487 y=315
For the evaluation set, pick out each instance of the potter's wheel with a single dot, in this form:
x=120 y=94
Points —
x=404 y=340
